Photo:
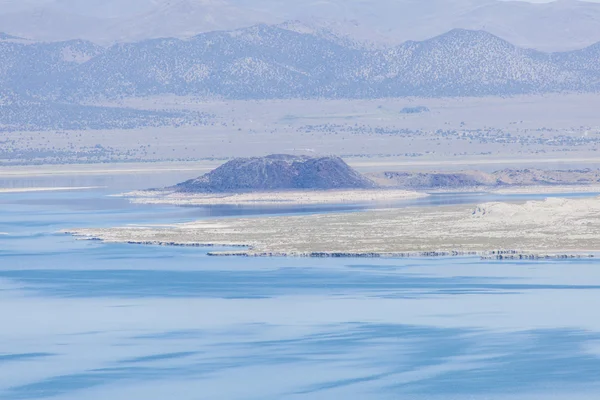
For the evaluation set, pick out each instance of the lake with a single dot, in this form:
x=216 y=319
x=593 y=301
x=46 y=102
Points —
x=87 y=320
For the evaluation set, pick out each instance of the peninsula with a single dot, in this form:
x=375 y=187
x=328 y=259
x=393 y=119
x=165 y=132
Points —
x=553 y=227
x=557 y=227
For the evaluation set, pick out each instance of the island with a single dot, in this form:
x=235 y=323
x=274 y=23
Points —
x=277 y=179
x=554 y=227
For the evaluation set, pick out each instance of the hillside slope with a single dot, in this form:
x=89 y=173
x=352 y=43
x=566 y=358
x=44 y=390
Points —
x=277 y=172
x=266 y=62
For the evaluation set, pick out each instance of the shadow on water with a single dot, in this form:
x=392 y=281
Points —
x=393 y=360
x=261 y=284
x=385 y=360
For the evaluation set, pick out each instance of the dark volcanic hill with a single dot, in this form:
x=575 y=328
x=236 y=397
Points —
x=277 y=172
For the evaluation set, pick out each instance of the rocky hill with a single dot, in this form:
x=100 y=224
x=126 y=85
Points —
x=479 y=179
x=277 y=172
x=266 y=61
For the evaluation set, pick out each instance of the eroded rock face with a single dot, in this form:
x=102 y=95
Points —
x=278 y=172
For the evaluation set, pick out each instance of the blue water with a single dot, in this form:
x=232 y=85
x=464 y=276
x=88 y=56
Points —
x=87 y=320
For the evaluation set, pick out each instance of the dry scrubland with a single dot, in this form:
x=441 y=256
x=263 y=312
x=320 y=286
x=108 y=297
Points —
x=565 y=226
x=371 y=134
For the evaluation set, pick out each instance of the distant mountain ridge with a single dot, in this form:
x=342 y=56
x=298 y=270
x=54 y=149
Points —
x=5 y=36
x=548 y=26
x=264 y=62
x=277 y=172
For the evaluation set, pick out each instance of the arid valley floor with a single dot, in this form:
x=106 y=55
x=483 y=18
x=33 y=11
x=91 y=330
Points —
x=548 y=130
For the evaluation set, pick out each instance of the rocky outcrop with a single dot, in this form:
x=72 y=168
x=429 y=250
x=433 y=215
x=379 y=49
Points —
x=277 y=172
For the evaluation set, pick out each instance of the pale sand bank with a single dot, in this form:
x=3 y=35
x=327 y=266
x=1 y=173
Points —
x=46 y=189
x=383 y=164
x=552 y=226
x=272 y=198
x=108 y=168
x=549 y=189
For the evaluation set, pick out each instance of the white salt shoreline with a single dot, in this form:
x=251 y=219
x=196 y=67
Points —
x=46 y=189
x=553 y=228
x=272 y=198
x=548 y=189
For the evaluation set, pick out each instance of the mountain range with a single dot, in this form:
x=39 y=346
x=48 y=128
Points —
x=266 y=61
x=553 y=26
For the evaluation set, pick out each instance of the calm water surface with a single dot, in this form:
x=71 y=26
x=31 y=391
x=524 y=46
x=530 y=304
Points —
x=86 y=320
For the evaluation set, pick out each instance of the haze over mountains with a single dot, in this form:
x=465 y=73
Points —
x=555 y=26
x=264 y=62
x=44 y=83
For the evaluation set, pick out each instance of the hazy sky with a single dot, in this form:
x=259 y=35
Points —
x=549 y=28
x=132 y=4
x=100 y=7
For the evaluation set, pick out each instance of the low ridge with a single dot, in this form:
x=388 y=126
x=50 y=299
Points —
x=278 y=172
x=474 y=179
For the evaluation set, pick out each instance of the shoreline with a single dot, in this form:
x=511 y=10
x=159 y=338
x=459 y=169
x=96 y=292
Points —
x=336 y=196
x=116 y=168
x=364 y=164
x=548 y=189
x=552 y=228
x=517 y=189
x=484 y=255
x=48 y=189
x=272 y=198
